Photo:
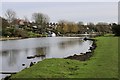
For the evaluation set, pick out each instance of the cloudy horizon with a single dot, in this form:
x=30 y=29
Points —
x=71 y=11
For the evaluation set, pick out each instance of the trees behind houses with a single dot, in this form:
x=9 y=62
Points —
x=9 y=25
x=103 y=28
x=80 y=28
x=67 y=27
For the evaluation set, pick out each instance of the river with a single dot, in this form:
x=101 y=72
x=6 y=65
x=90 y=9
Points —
x=14 y=53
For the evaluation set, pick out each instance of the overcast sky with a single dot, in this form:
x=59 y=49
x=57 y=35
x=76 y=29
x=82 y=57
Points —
x=71 y=11
x=59 y=0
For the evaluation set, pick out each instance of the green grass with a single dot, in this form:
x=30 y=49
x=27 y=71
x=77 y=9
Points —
x=109 y=35
x=31 y=34
x=103 y=64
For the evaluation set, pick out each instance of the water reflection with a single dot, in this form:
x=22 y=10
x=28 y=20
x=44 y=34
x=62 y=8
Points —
x=12 y=57
x=41 y=51
x=15 y=52
x=4 y=53
x=69 y=43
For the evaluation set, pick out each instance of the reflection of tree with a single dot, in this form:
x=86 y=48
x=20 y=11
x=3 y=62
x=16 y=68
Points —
x=41 y=51
x=4 y=53
x=81 y=42
x=27 y=51
x=68 y=43
x=11 y=56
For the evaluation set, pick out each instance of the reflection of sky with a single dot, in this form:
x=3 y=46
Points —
x=79 y=11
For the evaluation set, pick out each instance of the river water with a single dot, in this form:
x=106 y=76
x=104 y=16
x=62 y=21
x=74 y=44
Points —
x=13 y=53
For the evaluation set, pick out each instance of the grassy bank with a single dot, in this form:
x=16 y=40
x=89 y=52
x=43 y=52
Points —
x=103 y=64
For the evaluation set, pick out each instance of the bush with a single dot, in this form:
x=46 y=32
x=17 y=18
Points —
x=116 y=30
x=20 y=33
x=8 y=32
x=31 y=34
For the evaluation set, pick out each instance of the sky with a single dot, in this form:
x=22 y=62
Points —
x=71 y=11
x=59 y=0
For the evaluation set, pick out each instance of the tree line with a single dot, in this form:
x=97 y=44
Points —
x=14 y=27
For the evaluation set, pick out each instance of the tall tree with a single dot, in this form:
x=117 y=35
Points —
x=91 y=27
x=10 y=16
x=103 y=27
x=116 y=29
x=63 y=26
x=41 y=20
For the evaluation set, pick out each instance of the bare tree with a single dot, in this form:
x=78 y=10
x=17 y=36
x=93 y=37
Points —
x=40 y=18
x=103 y=27
x=10 y=15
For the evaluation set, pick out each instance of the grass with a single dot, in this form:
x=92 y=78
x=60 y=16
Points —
x=31 y=34
x=109 y=35
x=103 y=64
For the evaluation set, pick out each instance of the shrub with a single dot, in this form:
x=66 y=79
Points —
x=31 y=34
x=116 y=30
x=20 y=33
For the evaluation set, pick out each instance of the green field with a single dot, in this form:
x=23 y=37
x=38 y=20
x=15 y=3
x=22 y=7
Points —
x=103 y=64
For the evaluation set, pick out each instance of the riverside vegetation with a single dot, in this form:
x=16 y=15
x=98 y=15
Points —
x=11 y=26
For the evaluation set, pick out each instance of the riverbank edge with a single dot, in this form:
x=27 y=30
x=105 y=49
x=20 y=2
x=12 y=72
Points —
x=87 y=55
x=15 y=38
x=9 y=38
x=2 y=38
